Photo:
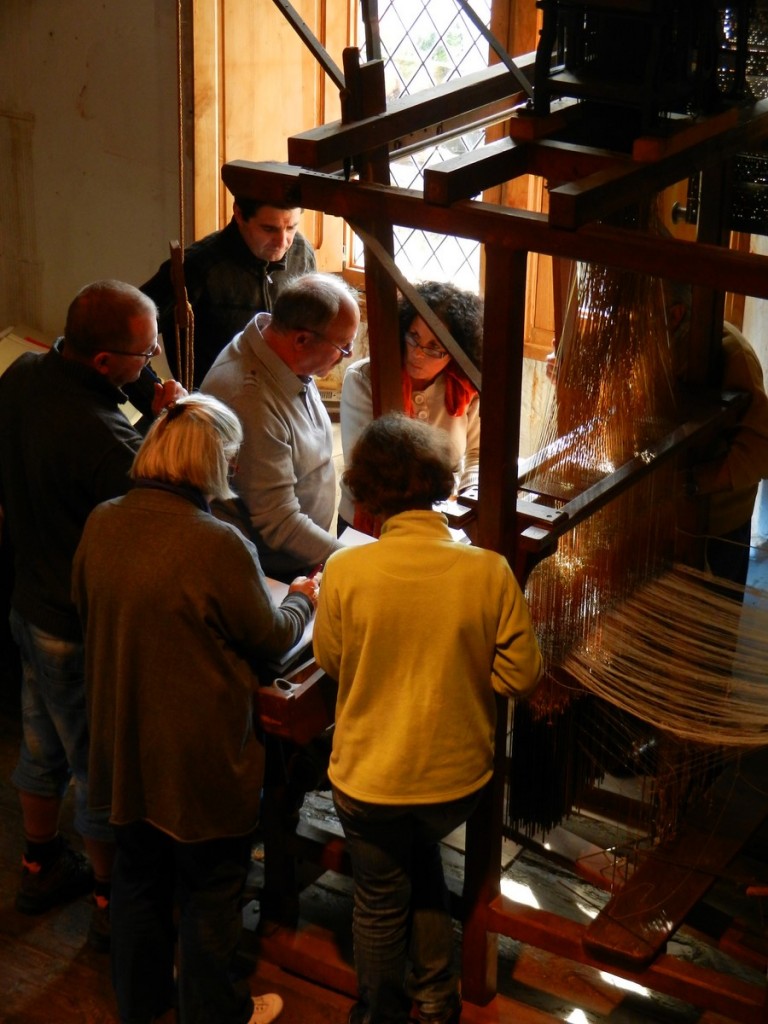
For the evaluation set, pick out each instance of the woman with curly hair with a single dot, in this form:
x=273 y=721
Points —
x=435 y=388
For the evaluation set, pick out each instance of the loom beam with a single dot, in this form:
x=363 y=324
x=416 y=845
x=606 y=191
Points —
x=477 y=99
x=539 y=533
x=708 y=265
x=466 y=176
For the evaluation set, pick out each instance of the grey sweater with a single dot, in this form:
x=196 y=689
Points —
x=285 y=474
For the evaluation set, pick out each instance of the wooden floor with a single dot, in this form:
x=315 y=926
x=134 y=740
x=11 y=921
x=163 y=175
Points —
x=48 y=975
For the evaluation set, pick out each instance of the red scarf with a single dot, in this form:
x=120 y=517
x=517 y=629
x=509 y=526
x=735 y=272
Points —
x=459 y=392
x=365 y=522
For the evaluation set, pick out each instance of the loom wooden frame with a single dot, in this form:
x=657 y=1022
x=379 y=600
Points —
x=592 y=185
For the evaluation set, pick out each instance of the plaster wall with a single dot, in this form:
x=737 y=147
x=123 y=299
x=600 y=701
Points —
x=88 y=149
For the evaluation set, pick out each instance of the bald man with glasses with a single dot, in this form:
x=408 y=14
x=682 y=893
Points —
x=285 y=476
x=66 y=446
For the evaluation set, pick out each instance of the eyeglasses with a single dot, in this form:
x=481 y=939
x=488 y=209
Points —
x=431 y=351
x=146 y=356
x=346 y=350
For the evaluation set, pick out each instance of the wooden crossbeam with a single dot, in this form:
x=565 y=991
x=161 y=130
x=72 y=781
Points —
x=491 y=92
x=563 y=161
x=708 y=265
x=269 y=181
x=735 y=999
x=470 y=174
x=581 y=202
x=697 y=263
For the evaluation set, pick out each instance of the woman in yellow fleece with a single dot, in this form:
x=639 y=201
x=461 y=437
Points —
x=419 y=631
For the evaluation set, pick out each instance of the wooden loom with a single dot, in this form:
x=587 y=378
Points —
x=589 y=183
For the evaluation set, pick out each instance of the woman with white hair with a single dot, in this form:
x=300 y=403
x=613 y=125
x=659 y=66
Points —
x=177 y=617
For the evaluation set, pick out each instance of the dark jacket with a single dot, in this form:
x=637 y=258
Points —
x=65 y=446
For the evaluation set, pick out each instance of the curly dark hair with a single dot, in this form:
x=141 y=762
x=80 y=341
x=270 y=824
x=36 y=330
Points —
x=400 y=464
x=460 y=311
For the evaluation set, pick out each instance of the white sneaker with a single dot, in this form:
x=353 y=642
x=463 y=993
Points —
x=266 y=1008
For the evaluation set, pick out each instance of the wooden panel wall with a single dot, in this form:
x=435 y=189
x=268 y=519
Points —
x=255 y=84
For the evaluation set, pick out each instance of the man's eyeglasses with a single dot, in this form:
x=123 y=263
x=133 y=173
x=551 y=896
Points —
x=431 y=351
x=346 y=350
x=146 y=356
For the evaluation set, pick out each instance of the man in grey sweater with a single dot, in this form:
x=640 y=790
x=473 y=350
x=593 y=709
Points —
x=285 y=476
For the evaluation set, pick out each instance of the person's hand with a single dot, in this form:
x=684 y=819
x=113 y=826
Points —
x=307 y=585
x=166 y=393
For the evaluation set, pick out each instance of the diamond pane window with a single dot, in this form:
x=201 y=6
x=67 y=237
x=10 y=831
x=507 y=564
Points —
x=424 y=43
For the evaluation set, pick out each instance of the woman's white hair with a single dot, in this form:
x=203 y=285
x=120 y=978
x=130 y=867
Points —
x=192 y=442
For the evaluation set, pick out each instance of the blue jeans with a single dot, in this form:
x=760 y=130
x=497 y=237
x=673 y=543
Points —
x=401 y=908
x=54 y=744
x=154 y=875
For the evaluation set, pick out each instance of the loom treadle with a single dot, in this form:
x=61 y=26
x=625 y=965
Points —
x=636 y=923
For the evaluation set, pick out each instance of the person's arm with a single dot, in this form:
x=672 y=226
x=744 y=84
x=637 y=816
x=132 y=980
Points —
x=149 y=395
x=253 y=620
x=356 y=405
x=141 y=394
x=300 y=258
x=160 y=289
x=471 y=469
x=326 y=633
x=517 y=664
x=743 y=463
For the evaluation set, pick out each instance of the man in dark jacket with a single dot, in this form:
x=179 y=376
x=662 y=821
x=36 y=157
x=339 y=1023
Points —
x=229 y=276
x=65 y=446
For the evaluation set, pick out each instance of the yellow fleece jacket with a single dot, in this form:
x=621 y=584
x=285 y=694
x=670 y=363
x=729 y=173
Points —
x=419 y=630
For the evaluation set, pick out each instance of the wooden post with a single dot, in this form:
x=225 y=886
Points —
x=499 y=445
x=183 y=318
x=366 y=97
x=504 y=326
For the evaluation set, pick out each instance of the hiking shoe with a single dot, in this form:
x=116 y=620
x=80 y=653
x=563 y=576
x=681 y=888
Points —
x=100 y=928
x=266 y=1008
x=68 y=877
